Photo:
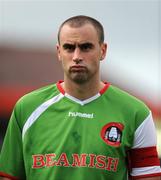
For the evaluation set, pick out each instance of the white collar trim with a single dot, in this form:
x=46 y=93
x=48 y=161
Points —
x=86 y=101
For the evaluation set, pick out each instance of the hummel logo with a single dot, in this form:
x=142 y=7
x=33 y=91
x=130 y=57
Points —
x=82 y=115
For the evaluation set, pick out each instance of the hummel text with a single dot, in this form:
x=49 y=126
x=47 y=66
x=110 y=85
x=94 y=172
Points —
x=82 y=115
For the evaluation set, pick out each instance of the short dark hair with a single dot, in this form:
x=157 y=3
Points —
x=80 y=20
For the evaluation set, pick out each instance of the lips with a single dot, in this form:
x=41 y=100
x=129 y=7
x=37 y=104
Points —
x=77 y=68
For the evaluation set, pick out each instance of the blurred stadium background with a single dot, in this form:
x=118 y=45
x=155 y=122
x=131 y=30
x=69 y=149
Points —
x=28 y=59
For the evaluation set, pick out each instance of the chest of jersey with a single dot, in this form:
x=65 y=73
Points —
x=70 y=135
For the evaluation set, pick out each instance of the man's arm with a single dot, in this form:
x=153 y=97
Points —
x=4 y=178
x=144 y=160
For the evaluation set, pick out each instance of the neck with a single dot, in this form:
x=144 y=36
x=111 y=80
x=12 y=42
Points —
x=82 y=91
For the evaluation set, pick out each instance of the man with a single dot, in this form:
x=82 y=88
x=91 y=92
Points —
x=80 y=128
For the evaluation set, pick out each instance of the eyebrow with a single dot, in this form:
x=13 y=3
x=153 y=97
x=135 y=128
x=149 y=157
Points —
x=68 y=46
x=82 y=45
x=85 y=45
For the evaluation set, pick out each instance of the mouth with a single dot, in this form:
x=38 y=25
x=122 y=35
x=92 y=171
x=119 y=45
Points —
x=78 y=68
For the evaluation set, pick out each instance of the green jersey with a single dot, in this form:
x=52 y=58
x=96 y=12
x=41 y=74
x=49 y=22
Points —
x=55 y=136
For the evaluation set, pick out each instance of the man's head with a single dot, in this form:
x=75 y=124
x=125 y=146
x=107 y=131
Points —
x=80 y=48
x=78 y=21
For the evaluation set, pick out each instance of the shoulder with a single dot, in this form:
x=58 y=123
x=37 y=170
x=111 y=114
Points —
x=29 y=102
x=128 y=104
x=124 y=98
x=39 y=95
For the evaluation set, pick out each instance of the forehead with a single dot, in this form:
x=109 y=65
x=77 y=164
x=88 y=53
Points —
x=85 y=33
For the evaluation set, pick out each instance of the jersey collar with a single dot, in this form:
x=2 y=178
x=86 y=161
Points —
x=102 y=91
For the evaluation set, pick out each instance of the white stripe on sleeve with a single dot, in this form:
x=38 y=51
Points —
x=145 y=171
x=145 y=135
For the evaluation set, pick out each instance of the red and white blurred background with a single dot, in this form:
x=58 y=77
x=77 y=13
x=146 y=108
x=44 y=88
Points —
x=28 y=60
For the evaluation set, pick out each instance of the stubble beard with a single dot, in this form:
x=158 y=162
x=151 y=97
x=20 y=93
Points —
x=79 y=77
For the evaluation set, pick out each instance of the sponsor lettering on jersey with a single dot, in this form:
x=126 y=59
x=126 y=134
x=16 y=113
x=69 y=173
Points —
x=82 y=115
x=82 y=160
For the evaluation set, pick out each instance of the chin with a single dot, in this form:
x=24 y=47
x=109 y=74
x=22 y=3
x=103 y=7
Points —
x=79 y=79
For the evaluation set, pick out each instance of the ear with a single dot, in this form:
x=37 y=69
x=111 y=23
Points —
x=58 y=51
x=103 y=50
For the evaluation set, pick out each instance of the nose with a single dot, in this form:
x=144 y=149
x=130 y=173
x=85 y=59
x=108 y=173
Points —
x=77 y=55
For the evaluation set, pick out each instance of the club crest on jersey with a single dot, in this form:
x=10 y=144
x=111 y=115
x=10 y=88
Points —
x=111 y=133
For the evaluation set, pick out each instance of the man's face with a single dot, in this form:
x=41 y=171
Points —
x=80 y=53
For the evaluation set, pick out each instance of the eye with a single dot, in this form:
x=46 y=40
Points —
x=86 y=46
x=69 y=47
